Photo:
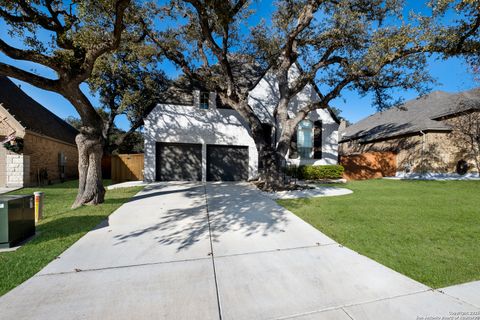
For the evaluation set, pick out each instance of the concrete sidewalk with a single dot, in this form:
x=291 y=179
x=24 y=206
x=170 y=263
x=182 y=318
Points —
x=468 y=292
x=153 y=260
x=8 y=189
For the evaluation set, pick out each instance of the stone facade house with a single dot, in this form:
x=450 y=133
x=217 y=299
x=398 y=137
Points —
x=426 y=134
x=192 y=136
x=41 y=146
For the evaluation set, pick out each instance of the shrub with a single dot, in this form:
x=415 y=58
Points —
x=14 y=145
x=309 y=172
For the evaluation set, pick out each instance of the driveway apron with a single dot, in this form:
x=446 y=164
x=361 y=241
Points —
x=143 y=263
x=217 y=251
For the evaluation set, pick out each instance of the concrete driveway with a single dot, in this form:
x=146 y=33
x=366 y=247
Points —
x=220 y=251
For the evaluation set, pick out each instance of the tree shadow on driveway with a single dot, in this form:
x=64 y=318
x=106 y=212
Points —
x=232 y=207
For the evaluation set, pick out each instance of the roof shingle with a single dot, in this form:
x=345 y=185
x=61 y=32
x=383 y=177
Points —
x=416 y=115
x=245 y=70
x=32 y=115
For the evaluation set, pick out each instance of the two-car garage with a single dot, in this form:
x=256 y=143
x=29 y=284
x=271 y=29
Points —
x=183 y=162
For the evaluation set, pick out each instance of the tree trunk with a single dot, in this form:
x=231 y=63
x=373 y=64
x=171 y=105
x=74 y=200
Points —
x=271 y=175
x=90 y=186
x=274 y=158
x=477 y=163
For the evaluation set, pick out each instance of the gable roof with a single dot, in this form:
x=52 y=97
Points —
x=32 y=115
x=246 y=71
x=319 y=93
x=420 y=114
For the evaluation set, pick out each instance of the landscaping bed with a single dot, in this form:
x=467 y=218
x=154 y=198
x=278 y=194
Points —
x=59 y=229
x=427 y=230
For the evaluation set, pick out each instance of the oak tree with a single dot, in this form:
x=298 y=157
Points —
x=67 y=38
x=128 y=82
x=364 y=46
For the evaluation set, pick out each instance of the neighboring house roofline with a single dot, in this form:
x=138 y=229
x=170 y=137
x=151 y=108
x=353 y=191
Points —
x=422 y=113
x=453 y=114
x=11 y=121
x=391 y=137
x=50 y=138
x=31 y=115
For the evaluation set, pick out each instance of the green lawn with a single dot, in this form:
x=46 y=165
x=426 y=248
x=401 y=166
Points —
x=427 y=230
x=59 y=229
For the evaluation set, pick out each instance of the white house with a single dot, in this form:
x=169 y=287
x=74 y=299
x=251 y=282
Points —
x=192 y=136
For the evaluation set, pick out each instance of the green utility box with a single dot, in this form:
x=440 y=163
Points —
x=17 y=219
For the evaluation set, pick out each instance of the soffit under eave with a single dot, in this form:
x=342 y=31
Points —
x=10 y=122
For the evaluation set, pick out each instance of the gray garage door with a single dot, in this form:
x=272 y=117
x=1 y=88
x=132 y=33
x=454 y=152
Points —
x=227 y=163
x=179 y=162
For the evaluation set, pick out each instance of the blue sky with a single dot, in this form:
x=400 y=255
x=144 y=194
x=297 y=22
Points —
x=452 y=75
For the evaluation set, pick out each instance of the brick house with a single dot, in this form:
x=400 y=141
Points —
x=37 y=146
x=424 y=134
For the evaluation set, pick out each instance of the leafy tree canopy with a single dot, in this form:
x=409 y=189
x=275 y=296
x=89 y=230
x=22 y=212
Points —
x=365 y=46
x=69 y=37
x=128 y=82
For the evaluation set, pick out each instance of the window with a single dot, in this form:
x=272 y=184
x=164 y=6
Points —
x=317 y=139
x=305 y=139
x=204 y=99
x=267 y=128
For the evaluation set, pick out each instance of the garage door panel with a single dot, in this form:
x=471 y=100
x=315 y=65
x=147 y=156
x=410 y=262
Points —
x=179 y=162
x=227 y=163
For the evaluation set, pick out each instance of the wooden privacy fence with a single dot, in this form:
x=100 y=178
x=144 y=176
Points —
x=369 y=165
x=127 y=167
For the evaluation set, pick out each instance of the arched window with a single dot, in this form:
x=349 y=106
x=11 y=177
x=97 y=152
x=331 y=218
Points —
x=305 y=139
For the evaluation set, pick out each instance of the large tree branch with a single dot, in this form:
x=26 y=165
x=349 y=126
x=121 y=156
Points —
x=324 y=100
x=52 y=23
x=303 y=22
x=219 y=51
x=202 y=54
x=473 y=30
x=48 y=23
x=237 y=7
x=112 y=44
x=54 y=15
x=120 y=140
x=91 y=120
x=247 y=113
x=28 y=55
x=288 y=58
x=307 y=77
x=176 y=56
x=14 y=18
x=38 y=81
x=205 y=27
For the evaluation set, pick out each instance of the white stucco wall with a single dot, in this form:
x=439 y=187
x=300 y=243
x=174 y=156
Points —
x=264 y=97
x=189 y=124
